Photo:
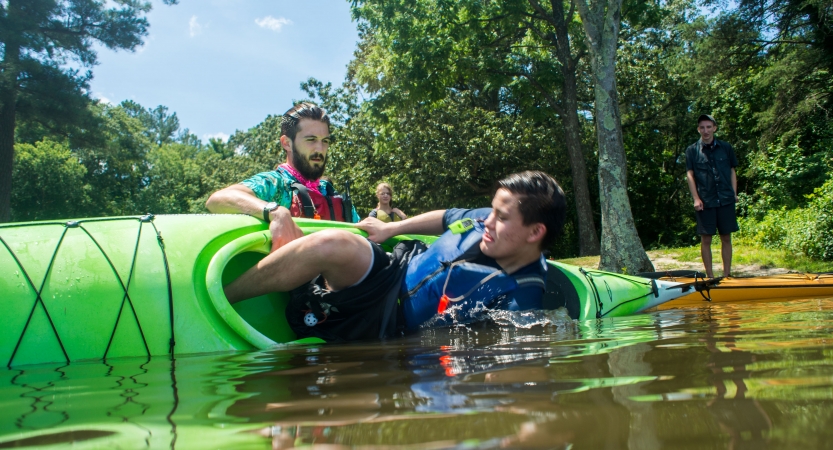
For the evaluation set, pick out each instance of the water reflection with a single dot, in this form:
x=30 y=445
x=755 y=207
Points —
x=723 y=376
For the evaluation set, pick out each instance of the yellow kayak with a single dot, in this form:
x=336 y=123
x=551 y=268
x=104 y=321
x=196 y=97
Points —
x=774 y=287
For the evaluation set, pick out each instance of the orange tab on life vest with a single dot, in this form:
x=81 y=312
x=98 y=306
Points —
x=443 y=303
x=316 y=216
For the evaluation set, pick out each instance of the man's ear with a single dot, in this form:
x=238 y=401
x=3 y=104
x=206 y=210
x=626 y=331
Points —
x=286 y=143
x=537 y=233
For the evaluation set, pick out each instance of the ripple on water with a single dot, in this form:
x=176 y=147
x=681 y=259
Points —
x=713 y=376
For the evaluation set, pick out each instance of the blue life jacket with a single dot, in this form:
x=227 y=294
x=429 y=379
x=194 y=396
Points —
x=447 y=268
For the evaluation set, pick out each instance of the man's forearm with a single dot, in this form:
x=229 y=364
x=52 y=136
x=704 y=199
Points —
x=692 y=185
x=427 y=223
x=735 y=182
x=234 y=200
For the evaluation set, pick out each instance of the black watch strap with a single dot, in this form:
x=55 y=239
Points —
x=268 y=208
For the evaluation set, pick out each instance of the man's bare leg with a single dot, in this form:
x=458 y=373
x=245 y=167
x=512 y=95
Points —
x=706 y=253
x=340 y=256
x=726 y=252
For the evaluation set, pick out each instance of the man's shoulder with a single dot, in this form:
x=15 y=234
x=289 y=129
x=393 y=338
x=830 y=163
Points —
x=692 y=149
x=276 y=178
x=723 y=144
x=452 y=215
x=536 y=268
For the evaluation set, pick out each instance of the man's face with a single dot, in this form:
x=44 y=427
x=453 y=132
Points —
x=706 y=129
x=309 y=149
x=505 y=230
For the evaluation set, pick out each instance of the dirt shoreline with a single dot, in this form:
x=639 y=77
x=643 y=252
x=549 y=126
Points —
x=669 y=260
x=663 y=261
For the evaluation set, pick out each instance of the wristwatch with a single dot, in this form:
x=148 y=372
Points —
x=267 y=209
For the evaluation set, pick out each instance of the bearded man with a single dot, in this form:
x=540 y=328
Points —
x=295 y=188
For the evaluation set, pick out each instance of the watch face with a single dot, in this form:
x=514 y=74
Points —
x=267 y=209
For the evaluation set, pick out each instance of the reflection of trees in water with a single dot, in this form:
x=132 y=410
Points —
x=743 y=419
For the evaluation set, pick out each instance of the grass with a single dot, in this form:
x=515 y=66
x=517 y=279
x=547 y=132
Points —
x=743 y=254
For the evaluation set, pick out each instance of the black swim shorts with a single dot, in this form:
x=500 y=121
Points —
x=721 y=219
x=367 y=310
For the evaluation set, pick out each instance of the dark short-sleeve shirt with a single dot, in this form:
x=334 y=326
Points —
x=712 y=166
x=526 y=297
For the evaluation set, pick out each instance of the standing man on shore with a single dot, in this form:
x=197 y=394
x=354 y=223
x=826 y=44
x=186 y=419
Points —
x=710 y=172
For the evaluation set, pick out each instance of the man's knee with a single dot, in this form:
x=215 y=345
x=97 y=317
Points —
x=333 y=245
x=726 y=238
x=706 y=239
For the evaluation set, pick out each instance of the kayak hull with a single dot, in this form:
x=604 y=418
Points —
x=93 y=289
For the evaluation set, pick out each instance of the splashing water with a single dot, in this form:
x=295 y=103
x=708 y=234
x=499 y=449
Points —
x=558 y=318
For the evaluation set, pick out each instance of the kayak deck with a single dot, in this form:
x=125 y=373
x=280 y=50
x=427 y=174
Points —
x=774 y=287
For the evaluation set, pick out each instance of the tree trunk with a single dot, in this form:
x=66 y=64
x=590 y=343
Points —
x=8 y=103
x=588 y=241
x=622 y=249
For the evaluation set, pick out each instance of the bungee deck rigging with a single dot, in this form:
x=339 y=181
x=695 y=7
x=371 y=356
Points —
x=126 y=299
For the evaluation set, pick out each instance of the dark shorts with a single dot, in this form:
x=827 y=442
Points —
x=722 y=220
x=381 y=259
x=368 y=310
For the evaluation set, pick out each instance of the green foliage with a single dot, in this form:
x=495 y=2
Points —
x=160 y=127
x=174 y=182
x=786 y=177
x=48 y=182
x=261 y=143
x=116 y=162
x=45 y=45
x=805 y=231
x=443 y=98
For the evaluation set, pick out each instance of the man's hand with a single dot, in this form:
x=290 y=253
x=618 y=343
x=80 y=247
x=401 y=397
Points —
x=698 y=204
x=377 y=231
x=283 y=228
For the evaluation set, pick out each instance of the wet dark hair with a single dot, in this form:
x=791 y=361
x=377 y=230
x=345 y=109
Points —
x=541 y=201
x=290 y=119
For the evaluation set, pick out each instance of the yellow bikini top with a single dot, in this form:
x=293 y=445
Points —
x=385 y=217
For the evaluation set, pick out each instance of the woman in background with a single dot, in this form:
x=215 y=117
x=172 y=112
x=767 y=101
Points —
x=384 y=211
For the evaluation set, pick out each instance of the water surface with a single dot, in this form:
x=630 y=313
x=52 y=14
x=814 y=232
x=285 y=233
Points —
x=754 y=375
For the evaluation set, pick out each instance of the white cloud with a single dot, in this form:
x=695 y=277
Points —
x=221 y=136
x=272 y=23
x=101 y=98
x=194 y=27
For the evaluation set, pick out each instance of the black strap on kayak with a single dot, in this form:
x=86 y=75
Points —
x=651 y=284
x=38 y=299
x=125 y=287
x=149 y=218
x=704 y=286
x=595 y=292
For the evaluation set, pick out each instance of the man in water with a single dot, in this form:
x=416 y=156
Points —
x=295 y=188
x=485 y=258
x=710 y=172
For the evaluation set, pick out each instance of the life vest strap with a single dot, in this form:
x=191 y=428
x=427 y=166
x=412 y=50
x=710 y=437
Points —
x=306 y=201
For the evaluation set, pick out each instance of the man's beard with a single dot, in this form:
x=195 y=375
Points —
x=305 y=168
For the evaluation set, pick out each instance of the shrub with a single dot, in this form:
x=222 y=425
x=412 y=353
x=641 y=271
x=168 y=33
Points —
x=807 y=231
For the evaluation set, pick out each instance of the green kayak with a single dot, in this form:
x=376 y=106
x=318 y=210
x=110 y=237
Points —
x=93 y=289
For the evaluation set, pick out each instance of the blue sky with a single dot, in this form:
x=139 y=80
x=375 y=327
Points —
x=224 y=65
